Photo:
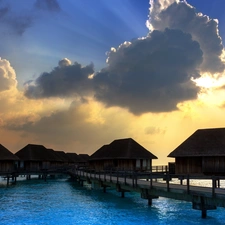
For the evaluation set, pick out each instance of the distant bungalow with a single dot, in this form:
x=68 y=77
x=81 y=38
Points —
x=202 y=153
x=7 y=160
x=36 y=157
x=125 y=154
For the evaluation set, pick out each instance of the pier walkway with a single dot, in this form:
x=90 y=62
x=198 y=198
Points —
x=149 y=186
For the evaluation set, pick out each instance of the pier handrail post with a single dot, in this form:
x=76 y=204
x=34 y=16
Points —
x=213 y=185
x=188 y=184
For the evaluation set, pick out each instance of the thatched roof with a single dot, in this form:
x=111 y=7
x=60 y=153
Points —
x=83 y=157
x=62 y=155
x=122 y=149
x=6 y=155
x=203 y=142
x=32 y=152
x=73 y=157
x=54 y=156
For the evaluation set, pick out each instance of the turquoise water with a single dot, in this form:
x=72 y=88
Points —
x=60 y=201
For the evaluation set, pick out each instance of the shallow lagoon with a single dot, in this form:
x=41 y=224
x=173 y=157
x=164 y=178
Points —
x=60 y=201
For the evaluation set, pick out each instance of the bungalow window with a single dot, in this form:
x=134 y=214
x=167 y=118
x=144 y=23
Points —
x=138 y=163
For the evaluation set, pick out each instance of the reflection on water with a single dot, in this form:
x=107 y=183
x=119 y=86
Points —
x=60 y=201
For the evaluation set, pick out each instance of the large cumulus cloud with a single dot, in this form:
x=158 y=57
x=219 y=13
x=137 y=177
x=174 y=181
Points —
x=174 y=14
x=66 y=79
x=149 y=74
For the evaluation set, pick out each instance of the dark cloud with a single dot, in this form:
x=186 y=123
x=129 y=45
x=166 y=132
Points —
x=3 y=11
x=147 y=75
x=65 y=80
x=12 y=23
x=16 y=23
x=152 y=74
x=203 y=29
x=48 y=5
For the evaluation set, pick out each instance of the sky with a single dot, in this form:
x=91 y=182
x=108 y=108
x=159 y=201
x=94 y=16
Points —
x=75 y=75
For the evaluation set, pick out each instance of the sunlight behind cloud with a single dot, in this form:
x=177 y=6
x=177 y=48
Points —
x=208 y=81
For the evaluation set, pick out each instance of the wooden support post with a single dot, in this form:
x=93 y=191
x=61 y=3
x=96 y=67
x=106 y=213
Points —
x=7 y=181
x=99 y=178
x=181 y=180
x=117 y=179
x=133 y=179
x=104 y=175
x=45 y=177
x=111 y=175
x=104 y=189
x=149 y=201
x=204 y=213
x=136 y=180
x=122 y=194
x=213 y=185
x=188 y=184
x=124 y=177
x=168 y=182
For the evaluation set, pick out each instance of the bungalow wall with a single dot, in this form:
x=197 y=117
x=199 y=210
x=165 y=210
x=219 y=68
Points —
x=122 y=164
x=214 y=165
x=188 y=165
x=32 y=165
x=7 y=166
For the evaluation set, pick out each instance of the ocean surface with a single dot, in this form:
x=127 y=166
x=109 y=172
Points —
x=62 y=201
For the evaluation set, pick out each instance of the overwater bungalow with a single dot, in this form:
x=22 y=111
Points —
x=201 y=153
x=84 y=160
x=55 y=160
x=36 y=157
x=63 y=156
x=73 y=158
x=122 y=154
x=7 y=160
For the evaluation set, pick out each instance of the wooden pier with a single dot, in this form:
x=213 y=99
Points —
x=202 y=198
